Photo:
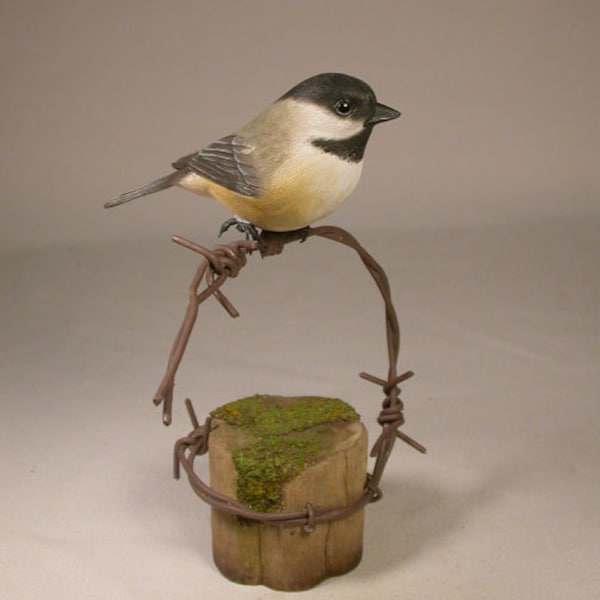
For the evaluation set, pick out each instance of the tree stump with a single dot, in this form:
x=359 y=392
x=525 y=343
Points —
x=276 y=454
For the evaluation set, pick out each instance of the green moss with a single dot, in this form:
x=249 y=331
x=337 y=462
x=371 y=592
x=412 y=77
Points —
x=287 y=435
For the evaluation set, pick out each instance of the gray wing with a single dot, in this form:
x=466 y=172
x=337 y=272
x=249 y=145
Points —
x=227 y=162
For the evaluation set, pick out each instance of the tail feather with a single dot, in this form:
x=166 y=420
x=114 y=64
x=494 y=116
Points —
x=150 y=188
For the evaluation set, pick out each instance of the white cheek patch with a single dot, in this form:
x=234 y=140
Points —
x=319 y=123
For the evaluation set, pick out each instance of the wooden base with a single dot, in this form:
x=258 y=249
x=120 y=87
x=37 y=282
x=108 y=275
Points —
x=286 y=557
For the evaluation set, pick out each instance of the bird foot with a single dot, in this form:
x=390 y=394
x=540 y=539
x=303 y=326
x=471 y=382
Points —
x=248 y=229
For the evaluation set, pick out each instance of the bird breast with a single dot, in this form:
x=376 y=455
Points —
x=314 y=184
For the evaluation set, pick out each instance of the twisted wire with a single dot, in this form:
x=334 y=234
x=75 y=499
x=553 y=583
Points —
x=216 y=266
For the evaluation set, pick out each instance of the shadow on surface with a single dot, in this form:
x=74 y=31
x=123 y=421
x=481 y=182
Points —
x=414 y=515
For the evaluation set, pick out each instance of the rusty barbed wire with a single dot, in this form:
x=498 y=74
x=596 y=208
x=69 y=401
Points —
x=225 y=261
x=216 y=266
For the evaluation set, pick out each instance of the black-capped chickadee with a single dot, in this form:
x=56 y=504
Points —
x=292 y=165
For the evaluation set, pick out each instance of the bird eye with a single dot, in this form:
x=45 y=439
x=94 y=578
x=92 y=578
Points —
x=343 y=107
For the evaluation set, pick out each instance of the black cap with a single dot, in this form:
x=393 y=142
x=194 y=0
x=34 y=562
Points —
x=344 y=95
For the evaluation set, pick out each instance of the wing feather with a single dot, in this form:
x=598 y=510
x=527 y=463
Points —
x=228 y=162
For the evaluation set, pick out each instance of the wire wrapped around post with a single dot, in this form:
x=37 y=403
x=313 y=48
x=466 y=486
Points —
x=216 y=266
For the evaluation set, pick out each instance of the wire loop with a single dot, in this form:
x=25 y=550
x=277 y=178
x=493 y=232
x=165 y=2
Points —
x=216 y=266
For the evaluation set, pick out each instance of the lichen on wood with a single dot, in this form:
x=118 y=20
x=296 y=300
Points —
x=282 y=437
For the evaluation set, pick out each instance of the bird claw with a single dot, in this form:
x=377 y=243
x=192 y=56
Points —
x=245 y=227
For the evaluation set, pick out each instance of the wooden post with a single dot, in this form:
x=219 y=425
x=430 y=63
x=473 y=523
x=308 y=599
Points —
x=327 y=463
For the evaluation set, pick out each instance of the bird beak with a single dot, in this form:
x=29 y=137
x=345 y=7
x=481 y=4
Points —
x=382 y=113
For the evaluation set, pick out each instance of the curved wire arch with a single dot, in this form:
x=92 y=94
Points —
x=218 y=265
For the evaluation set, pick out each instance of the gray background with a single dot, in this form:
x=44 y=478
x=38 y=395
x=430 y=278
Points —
x=499 y=103
x=481 y=202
